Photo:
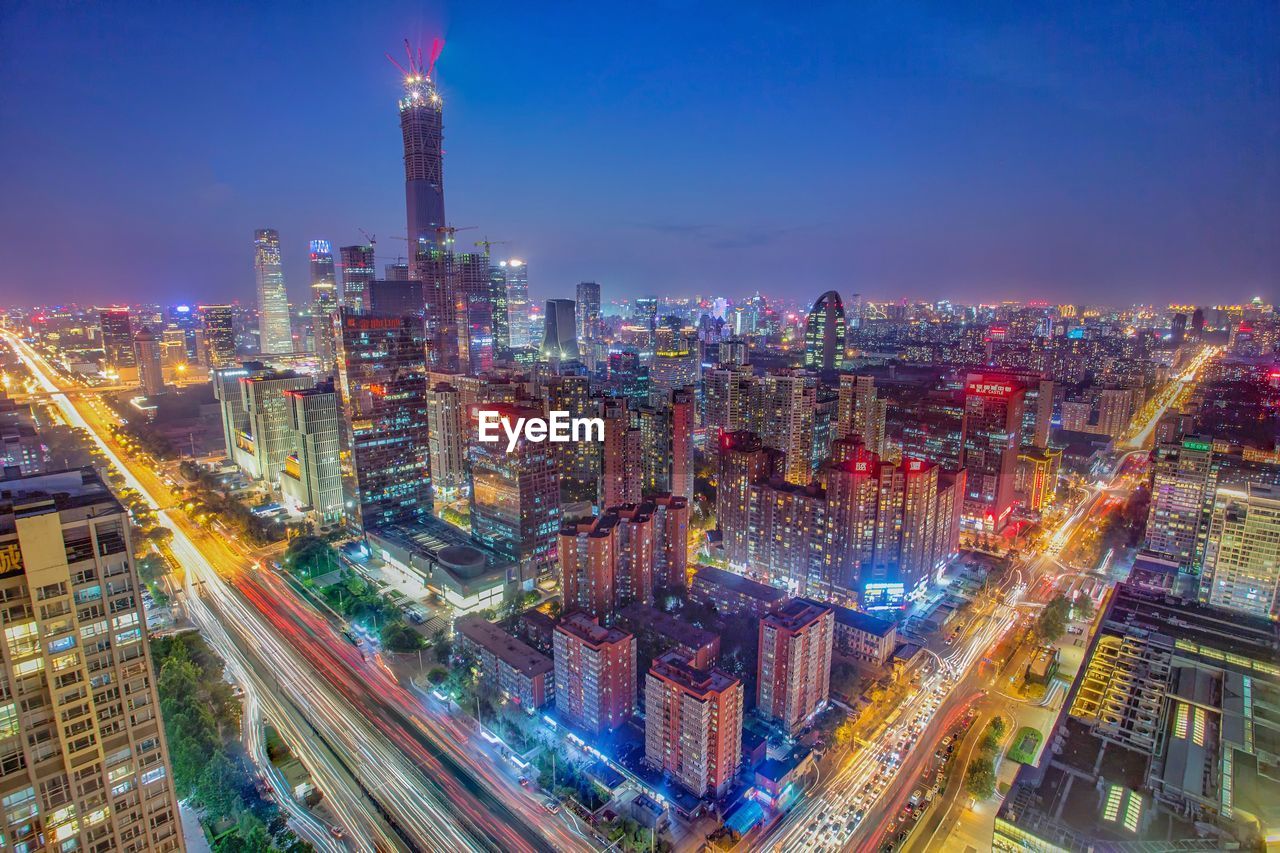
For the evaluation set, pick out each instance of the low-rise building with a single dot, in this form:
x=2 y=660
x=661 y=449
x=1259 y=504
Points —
x=731 y=593
x=521 y=673
x=864 y=637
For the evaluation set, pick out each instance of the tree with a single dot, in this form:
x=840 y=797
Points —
x=397 y=636
x=995 y=733
x=1083 y=606
x=980 y=778
x=216 y=787
x=1052 y=622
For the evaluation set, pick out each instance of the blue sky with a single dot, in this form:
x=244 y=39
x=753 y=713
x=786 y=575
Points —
x=1063 y=151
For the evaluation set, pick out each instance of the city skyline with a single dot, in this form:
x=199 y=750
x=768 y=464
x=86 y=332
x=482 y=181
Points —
x=1075 y=165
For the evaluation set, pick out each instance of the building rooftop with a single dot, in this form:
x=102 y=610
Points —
x=859 y=621
x=506 y=648
x=676 y=668
x=64 y=489
x=643 y=617
x=739 y=584
x=796 y=614
x=590 y=630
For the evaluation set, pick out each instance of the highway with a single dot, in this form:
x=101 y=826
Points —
x=384 y=779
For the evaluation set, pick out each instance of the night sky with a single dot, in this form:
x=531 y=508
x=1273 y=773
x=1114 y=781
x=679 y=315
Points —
x=1061 y=152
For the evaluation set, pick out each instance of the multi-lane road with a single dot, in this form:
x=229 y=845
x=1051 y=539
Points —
x=396 y=777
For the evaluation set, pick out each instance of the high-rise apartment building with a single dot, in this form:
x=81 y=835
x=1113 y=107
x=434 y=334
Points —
x=588 y=313
x=275 y=330
x=1242 y=559
x=666 y=439
x=794 y=663
x=86 y=766
x=993 y=408
x=693 y=724
x=621 y=472
x=515 y=498
x=783 y=403
x=824 y=333
x=358 y=270
x=595 y=673
x=446 y=420
x=150 y=366
x=422 y=129
x=743 y=460
x=219 y=332
x=589 y=564
x=1181 y=475
x=311 y=477
x=383 y=374
x=579 y=461
x=727 y=398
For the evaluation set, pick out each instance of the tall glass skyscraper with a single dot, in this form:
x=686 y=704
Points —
x=357 y=271
x=324 y=301
x=383 y=373
x=588 y=312
x=824 y=333
x=516 y=272
x=275 y=332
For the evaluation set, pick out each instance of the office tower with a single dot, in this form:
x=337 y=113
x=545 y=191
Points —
x=86 y=766
x=1036 y=480
x=226 y=390
x=422 y=126
x=1180 y=483
x=595 y=674
x=393 y=298
x=446 y=420
x=1172 y=707
x=993 y=405
x=267 y=438
x=733 y=352
x=218 y=323
x=437 y=271
x=579 y=461
x=383 y=375
x=628 y=377
x=398 y=271
x=559 y=343
x=794 y=665
x=515 y=498
x=589 y=564
x=515 y=273
x=666 y=438
x=1197 y=323
x=117 y=341
x=324 y=301
x=588 y=314
x=677 y=361
x=311 y=477
x=476 y=308
x=782 y=409
x=150 y=367
x=275 y=331
x=693 y=724
x=824 y=333
x=501 y=311
x=727 y=398
x=1037 y=415
x=621 y=472
x=358 y=270
x=647 y=314
x=743 y=460
x=854 y=315
x=1242 y=559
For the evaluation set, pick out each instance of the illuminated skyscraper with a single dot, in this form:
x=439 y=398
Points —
x=275 y=332
x=588 y=312
x=516 y=274
x=383 y=372
x=358 y=269
x=559 y=339
x=1242 y=561
x=666 y=439
x=824 y=333
x=422 y=127
x=993 y=405
x=219 y=329
x=117 y=340
x=311 y=477
x=447 y=421
x=150 y=369
x=743 y=461
x=324 y=301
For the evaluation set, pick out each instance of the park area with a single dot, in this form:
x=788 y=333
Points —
x=1026 y=744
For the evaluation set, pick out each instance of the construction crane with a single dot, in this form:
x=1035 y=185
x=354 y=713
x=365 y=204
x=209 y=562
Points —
x=451 y=230
x=372 y=238
x=486 y=242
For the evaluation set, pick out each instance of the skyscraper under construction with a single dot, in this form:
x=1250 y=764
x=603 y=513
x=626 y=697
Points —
x=422 y=125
